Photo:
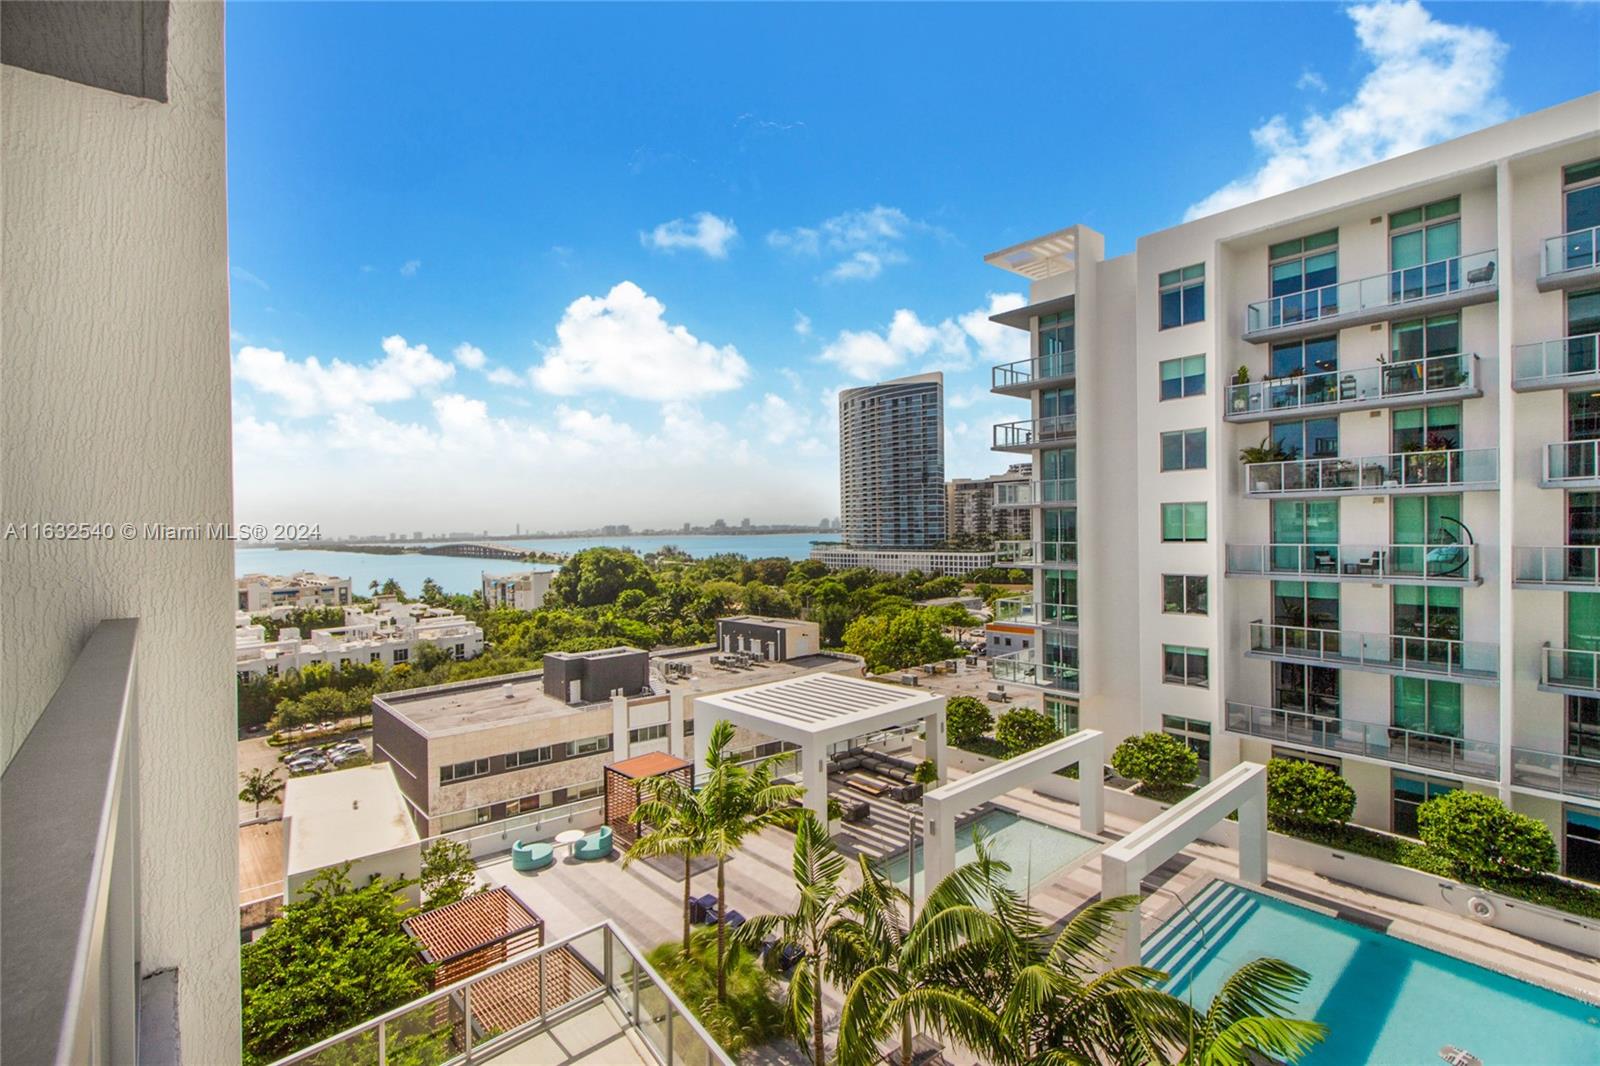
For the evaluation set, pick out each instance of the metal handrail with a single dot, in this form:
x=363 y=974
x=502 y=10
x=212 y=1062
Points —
x=461 y=991
x=1391 y=744
x=1014 y=551
x=1569 y=668
x=1557 y=360
x=1457 y=467
x=1578 y=250
x=1392 y=288
x=1036 y=432
x=1402 y=562
x=1568 y=564
x=70 y=870
x=1379 y=651
x=1025 y=668
x=1047 y=367
x=1571 y=460
x=1570 y=775
x=1402 y=380
x=1028 y=493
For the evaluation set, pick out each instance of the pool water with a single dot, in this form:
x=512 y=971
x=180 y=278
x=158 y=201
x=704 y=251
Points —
x=1030 y=847
x=1384 y=1000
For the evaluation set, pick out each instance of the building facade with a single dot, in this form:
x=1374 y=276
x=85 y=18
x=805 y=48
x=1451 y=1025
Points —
x=891 y=463
x=389 y=634
x=842 y=557
x=1337 y=459
x=276 y=596
x=970 y=511
x=521 y=592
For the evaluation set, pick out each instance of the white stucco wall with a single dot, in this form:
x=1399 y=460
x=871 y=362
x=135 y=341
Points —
x=115 y=407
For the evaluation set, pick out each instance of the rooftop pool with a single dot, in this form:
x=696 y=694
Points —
x=1035 y=851
x=1384 y=1000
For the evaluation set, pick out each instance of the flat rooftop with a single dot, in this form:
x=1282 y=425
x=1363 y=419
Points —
x=820 y=704
x=330 y=816
x=779 y=623
x=482 y=703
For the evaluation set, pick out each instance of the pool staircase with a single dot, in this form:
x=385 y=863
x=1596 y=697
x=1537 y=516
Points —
x=1210 y=918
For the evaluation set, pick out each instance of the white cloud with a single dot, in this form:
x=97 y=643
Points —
x=862 y=243
x=1310 y=79
x=1430 y=81
x=947 y=345
x=409 y=268
x=470 y=356
x=779 y=422
x=705 y=232
x=622 y=343
x=244 y=275
x=307 y=387
x=802 y=323
x=501 y=375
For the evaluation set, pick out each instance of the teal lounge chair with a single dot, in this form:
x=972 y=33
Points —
x=595 y=845
x=531 y=856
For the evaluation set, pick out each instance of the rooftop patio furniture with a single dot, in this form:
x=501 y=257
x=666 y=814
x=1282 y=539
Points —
x=531 y=856
x=997 y=696
x=594 y=846
x=735 y=919
x=871 y=786
x=856 y=812
x=702 y=909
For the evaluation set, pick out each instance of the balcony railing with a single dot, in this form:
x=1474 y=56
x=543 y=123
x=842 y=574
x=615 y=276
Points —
x=1372 y=298
x=1028 y=493
x=1025 y=668
x=1389 y=744
x=1378 y=652
x=69 y=946
x=1036 y=432
x=1398 y=563
x=595 y=975
x=1407 y=381
x=1025 y=374
x=1422 y=471
x=1570 y=775
x=1571 y=566
x=1014 y=609
x=1571 y=464
x=1556 y=364
x=1014 y=551
x=1570 y=253
x=1569 y=670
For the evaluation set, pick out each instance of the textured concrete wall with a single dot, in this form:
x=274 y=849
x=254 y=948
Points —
x=114 y=405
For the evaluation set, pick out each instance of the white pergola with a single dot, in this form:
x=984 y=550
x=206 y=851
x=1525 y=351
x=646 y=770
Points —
x=816 y=710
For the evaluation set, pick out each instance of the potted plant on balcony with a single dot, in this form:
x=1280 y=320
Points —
x=1428 y=463
x=1239 y=399
x=1268 y=451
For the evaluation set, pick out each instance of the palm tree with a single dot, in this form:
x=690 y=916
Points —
x=675 y=824
x=810 y=927
x=1247 y=1015
x=260 y=786
x=738 y=802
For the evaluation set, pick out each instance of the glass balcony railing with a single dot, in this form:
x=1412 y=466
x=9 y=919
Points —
x=1379 y=652
x=1390 y=744
x=1571 y=462
x=1403 y=563
x=1014 y=551
x=1392 y=289
x=1570 y=669
x=1028 y=493
x=1553 y=364
x=1015 y=609
x=1458 y=468
x=1026 y=373
x=1014 y=494
x=1571 y=252
x=1570 y=775
x=1407 y=381
x=1568 y=564
x=1025 y=668
x=1036 y=432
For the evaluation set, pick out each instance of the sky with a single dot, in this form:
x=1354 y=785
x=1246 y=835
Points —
x=561 y=266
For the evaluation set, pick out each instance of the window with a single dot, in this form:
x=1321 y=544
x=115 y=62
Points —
x=1313 y=758
x=1183 y=377
x=1055 y=345
x=1060 y=544
x=1583 y=727
x=1057 y=402
x=688 y=727
x=1060 y=648
x=1316 y=359
x=1183 y=296
x=1305 y=535
x=1424 y=706
x=525 y=805
x=402 y=654
x=1306 y=689
x=461 y=651
x=461 y=771
x=1427 y=521
x=1196 y=736
x=1410 y=791
x=1308 y=438
x=1429 y=617
x=1063 y=712
x=1425 y=338
x=1185 y=666
x=530 y=757
x=1581 y=195
x=647 y=733
x=1183 y=593
x=1305 y=263
x=1183 y=521
x=1423 y=242
x=376 y=657
x=1582 y=844
x=1305 y=604
x=1416 y=429
x=588 y=746
x=1183 y=449
x=1061 y=596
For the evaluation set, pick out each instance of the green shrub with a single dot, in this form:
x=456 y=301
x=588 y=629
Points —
x=1303 y=793
x=750 y=1016
x=1482 y=837
x=1155 y=760
x=1023 y=729
x=966 y=719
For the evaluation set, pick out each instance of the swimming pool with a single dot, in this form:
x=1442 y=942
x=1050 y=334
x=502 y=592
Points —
x=1384 y=1000
x=1030 y=847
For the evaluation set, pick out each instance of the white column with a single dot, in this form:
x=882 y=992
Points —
x=702 y=745
x=1253 y=837
x=1506 y=434
x=1092 y=788
x=1117 y=879
x=619 y=727
x=933 y=743
x=938 y=840
x=814 y=775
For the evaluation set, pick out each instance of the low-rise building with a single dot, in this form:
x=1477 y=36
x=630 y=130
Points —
x=478 y=751
x=523 y=591
x=841 y=557
x=357 y=816
x=774 y=639
x=389 y=634
x=277 y=596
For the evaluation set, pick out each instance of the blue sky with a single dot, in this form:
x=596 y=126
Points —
x=565 y=265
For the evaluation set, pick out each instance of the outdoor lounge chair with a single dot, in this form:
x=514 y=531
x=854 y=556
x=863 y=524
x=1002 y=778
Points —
x=702 y=909
x=531 y=856
x=735 y=919
x=595 y=845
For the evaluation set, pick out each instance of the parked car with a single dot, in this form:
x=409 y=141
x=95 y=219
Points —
x=305 y=766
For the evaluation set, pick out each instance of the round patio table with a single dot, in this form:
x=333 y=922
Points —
x=569 y=837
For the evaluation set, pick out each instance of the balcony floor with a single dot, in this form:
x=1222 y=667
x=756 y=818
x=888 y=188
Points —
x=1366 y=579
x=597 y=1036
x=1581 y=278
x=1469 y=677
x=1371 y=403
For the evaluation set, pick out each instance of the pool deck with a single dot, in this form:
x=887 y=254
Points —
x=645 y=901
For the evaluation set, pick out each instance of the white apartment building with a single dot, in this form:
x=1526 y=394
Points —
x=524 y=591
x=886 y=561
x=389 y=634
x=1403 y=580
x=277 y=596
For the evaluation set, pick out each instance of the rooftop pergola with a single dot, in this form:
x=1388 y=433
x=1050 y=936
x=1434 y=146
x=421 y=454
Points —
x=816 y=710
x=622 y=787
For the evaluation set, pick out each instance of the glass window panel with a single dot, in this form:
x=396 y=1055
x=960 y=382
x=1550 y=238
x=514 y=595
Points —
x=1194 y=521
x=1443 y=208
x=1402 y=219
x=1443 y=335
x=1583 y=415
x=1583 y=621
x=1170 y=277
x=1583 y=208
x=1406 y=340
x=1171 y=309
x=1581 y=172
x=1405 y=250
x=1444 y=241
x=1194 y=449
x=1321 y=270
x=1322 y=354
x=1172 y=594
x=1194 y=303
x=1172 y=451
x=1583 y=313
x=1283 y=248
x=1190 y=273
x=1322 y=438
x=1199 y=595
x=1288 y=522
x=1322 y=521
x=1172 y=521
x=1325 y=239
x=1290 y=437
x=1286 y=278
x=1194 y=375
x=1410 y=703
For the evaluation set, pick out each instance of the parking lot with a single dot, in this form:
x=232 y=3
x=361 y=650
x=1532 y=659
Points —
x=256 y=753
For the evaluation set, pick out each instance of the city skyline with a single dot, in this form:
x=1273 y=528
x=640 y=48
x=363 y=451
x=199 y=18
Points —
x=653 y=326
